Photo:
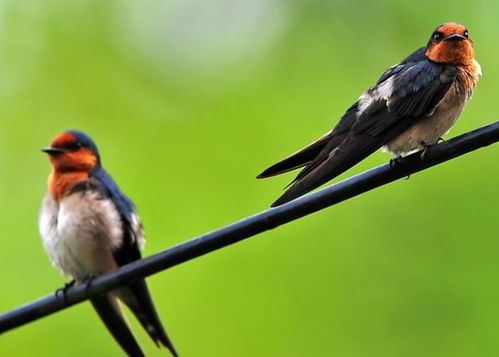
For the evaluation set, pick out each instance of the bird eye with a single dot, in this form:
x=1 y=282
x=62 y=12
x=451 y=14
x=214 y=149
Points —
x=74 y=146
x=466 y=34
x=437 y=36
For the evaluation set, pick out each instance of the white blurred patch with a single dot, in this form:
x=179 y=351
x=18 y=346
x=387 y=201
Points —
x=199 y=35
x=21 y=44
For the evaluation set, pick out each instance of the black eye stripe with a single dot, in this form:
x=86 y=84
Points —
x=436 y=36
x=71 y=146
x=75 y=146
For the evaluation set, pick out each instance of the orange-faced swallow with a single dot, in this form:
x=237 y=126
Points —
x=89 y=228
x=411 y=106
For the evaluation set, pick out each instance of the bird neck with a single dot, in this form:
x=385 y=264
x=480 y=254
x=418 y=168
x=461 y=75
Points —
x=60 y=183
x=468 y=77
x=457 y=53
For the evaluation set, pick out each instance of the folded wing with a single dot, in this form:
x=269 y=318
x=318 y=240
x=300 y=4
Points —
x=404 y=94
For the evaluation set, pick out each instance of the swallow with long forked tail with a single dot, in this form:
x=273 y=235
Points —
x=411 y=106
x=89 y=228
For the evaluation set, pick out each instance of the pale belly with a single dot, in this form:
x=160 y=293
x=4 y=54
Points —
x=429 y=129
x=79 y=234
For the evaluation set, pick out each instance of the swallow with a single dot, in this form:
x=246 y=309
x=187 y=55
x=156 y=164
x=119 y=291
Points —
x=411 y=106
x=89 y=227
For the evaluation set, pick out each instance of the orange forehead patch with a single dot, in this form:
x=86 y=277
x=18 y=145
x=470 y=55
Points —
x=458 y=52
x=450 y=28
x=63 y=139
x=81 y=160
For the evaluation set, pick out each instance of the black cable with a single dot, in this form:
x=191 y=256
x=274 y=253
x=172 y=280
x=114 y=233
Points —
x=254 y=225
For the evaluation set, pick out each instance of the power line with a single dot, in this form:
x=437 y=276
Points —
x=253 y=225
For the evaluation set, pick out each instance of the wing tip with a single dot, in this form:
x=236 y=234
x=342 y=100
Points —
x=163 y=340
x=273 y=170
x=288 y=196
x=172 y=350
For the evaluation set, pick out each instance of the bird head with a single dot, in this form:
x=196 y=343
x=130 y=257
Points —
x=450 y=43
x=73 y=151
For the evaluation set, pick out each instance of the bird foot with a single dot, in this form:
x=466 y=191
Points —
x=394 y=161
x=88 y=281
x=64 y=290
x=426 y=146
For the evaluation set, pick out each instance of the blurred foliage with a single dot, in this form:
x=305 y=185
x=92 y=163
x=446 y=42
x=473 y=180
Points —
x=188 y=101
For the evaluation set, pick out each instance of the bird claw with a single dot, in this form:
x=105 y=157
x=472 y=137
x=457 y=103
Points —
x=394 y=161
x=425 y=146
x=88 y=281
x=440 y=140
x=64 y=290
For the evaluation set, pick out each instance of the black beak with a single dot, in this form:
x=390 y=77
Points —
x=455 y=37
x=52 y=151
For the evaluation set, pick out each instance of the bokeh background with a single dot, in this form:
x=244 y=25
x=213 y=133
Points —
x=188 y=100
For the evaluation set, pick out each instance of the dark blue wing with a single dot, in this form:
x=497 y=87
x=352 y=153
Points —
x=124 y=205
x=412 y=92
x=136 y=295
x=129 y=250
x=416 y=56
x=404 y=94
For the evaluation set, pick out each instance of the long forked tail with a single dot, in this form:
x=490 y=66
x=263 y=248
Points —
x=137 y=297
x=328 y=165
x=298 y=159
x=108 y=310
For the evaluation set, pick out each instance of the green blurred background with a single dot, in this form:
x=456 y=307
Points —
x=188 y=100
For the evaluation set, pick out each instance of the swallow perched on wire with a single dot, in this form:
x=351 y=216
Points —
x=89 y=228
x=411 y=106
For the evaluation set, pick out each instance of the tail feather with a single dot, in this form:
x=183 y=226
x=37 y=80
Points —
x=299 y=159
x=108 y=310
x=327 y=167
x=136 y=296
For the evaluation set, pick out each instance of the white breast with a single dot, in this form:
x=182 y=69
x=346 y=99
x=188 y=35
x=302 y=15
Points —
x=79 y=233
x=428 y=130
